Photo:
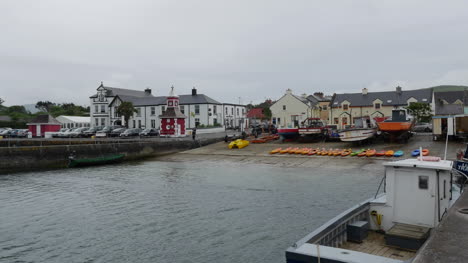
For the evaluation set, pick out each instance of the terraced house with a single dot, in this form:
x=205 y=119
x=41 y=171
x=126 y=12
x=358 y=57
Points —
x=347 y=107
x=199 y=108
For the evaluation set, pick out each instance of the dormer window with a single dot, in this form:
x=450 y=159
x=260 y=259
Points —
x=424 y=99
x=377 y=106
x=345 y=106
x=389 y=101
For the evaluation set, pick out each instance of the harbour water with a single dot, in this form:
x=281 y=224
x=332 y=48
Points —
x=158 y=211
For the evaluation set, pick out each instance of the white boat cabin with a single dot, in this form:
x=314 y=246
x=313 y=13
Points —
x=390 y=227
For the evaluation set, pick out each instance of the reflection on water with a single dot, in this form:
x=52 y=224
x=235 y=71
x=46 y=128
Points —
x=170 y=212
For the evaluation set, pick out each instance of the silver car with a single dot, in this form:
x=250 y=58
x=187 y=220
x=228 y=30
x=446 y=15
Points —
x=423 y=127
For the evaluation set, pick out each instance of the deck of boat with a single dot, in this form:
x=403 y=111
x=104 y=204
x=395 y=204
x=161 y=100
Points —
x=375 y=244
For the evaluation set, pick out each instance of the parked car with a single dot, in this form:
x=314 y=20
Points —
x=65 y=134
x=423 y=127
x=106 y=131
x=78 y=132
x=116 y=132
x=149 y=132
x=131 y=132
x=6 y=133
x=92 y=131
x=56 y=134
x=18 y=133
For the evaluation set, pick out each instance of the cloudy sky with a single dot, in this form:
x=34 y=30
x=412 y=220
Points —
x=253 y=49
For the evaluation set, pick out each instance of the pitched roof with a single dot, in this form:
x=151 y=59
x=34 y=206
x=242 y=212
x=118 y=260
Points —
x=79 y=119
x=161 y=100
x=255 y=113
x=448 y=109
x=388 y=98
x=45 y=119
x=111 y=92
x=452 y=96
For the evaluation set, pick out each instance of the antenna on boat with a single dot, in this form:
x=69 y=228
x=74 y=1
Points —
x=446 y=143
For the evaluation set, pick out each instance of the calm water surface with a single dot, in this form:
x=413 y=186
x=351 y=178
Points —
x=170 y=212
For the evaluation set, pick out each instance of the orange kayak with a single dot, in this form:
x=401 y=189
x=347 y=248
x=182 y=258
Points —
x=323 y=152
x=306 y=151
x=346 y=152
x=370 y=153
x=389 y=153
x=330 y=152
x=285 y=150
x=425 y=152
x=277 y=150
x=363 y=153
x=293 y=150
x=337 y=152
x=313 y=151
x=380 y=153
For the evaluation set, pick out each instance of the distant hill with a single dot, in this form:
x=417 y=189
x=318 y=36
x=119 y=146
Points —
x=31 y=108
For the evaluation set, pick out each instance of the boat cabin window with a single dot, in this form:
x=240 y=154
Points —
x=423 y=182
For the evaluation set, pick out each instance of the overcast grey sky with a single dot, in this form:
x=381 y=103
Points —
x=60 y=50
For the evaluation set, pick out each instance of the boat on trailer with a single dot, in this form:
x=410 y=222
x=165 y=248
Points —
x=288 y=133
x=391 y=226
x=313 y=128
x=364 y=129
x=398 y=127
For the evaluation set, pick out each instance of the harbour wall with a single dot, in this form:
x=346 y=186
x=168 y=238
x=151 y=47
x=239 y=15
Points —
x=30 y=158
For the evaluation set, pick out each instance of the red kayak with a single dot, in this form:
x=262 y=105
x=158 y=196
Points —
x=380 y=153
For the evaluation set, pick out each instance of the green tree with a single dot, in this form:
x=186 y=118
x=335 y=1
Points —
x=44 y=106
x=126 y=110
x=421 y=111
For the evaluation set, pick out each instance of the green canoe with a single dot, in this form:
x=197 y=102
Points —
x=72 y=162
x=357 y=152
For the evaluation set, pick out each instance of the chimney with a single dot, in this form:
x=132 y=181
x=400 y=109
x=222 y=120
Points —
x=288 y=91
x=398 y=90
x=147 y=91
x=318 y=95
x=364 y=91
x=304 y=95
x=194 y=91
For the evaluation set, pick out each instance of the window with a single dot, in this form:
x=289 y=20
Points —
x=345 y=106
x=226 y=111
x=335 y=120
x=237 y=110
x=182 y=109
x=423 y=182
x=284 y=107
x=139 y=123
x=96 y=108
x=103 y=108
x=279 y=121
x=153 y=111
x=163 y=109
x=215 y=110
x=153 y=123
x=197 y=109
x=377 y=106
x=232 y=111
x=197 y=122
x=134 y=124
x=103 y=121
x=97 y=121
x=215 y=121
x=243 y=111
x=116 y=114
x=138 y=113
x=324 y=107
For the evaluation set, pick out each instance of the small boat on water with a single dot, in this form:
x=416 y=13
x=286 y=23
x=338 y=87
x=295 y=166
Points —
x=239 y=143
x=390 y=226
x=73 y=162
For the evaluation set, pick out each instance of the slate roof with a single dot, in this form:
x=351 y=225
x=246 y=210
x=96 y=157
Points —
x=388 y=98
x=161 y=100
x=111 y=92
x=450 y=94
x=45 y=119
x=448 y=109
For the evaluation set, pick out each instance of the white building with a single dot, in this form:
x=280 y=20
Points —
x=200 y=109
x=290 y=110
x=74 y=121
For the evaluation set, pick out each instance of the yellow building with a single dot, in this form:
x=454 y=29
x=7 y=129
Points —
x=347 y=107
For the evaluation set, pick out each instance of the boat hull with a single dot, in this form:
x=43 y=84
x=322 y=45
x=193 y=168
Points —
x=355 y=135
x=395 y=127
x=95 y=161
x=288 y=133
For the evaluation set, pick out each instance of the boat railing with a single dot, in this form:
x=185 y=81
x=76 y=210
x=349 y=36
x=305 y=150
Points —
x=333 y=233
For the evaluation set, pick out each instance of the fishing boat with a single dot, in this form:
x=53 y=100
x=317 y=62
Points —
x=397 y=127
x=239 y=143
x=313 y=128
x=389 y=227
x=73 y=162
x=288 y=133
x=364 y=129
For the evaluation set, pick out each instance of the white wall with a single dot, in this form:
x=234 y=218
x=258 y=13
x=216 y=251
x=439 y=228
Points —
x=293 y=107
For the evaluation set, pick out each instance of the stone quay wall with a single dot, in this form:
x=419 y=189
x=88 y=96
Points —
x=30 y=158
